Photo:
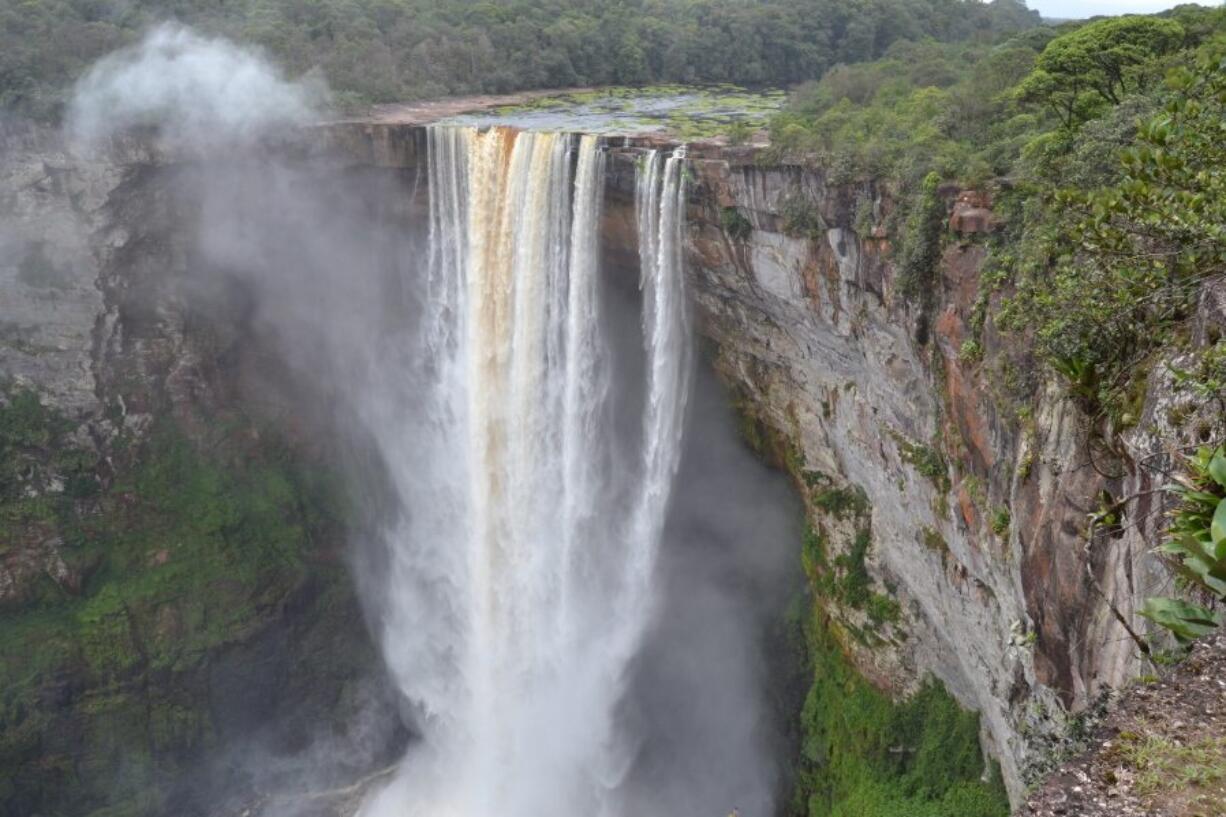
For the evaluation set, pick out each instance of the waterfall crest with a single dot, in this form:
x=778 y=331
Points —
x=520 y=579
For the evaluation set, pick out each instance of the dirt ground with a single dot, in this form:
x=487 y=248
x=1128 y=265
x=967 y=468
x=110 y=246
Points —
x=1160 y=752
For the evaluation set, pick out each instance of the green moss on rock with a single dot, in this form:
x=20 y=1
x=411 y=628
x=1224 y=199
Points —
x=198 y=546
x=864 y=755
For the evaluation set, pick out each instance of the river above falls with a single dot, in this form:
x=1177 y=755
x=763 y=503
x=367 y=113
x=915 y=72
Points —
x=679 y=111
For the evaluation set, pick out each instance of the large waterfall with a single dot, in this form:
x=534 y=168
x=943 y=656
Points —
x=520 y=584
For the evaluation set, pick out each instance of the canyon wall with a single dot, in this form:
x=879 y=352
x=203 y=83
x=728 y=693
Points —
x=948 y=485
x=931 y=448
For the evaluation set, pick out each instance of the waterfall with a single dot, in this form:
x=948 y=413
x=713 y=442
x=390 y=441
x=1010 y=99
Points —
x=659 y=210
x=520 y=577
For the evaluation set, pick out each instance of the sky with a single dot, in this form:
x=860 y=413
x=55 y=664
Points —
x=1088 y=8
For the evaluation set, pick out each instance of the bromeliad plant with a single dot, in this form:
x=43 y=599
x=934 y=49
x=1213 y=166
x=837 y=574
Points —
x=1196 y=543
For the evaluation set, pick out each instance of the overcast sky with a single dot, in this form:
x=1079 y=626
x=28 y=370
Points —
x=1088 y=8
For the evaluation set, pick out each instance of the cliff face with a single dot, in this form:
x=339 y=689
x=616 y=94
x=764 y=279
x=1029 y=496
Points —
x=172 y=589
x=974 y=497
x=946 y=509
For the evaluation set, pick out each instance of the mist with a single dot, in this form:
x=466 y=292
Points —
x=641 y=561
x=194 y=90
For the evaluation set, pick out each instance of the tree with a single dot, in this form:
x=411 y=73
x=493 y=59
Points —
x=1099 y=63
x=1125 y=262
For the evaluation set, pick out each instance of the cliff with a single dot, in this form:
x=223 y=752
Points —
x=176 y=609
x=976 y=474
x=947 y=485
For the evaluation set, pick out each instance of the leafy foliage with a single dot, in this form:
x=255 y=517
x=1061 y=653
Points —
x=1001 y=521
x=922 y=248
x=1108 y=280
x=1104 y=59
x=801 y=216
x=924 y=107
x=735 y=224
x=1196 y=544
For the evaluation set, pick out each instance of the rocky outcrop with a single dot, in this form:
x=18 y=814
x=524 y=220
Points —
x=978 y=495
x=972 y=213
x=48 y=270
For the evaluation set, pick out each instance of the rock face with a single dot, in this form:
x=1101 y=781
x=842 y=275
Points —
x=48 y=272
x=979 y=496
x=171 y=588
x=972 y=213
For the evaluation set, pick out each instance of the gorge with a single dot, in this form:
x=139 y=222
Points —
x=486 y=335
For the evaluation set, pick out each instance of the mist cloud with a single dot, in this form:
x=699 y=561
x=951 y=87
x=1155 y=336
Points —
x=196 y=91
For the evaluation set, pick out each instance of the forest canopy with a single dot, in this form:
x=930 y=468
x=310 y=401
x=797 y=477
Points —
x=395 y=50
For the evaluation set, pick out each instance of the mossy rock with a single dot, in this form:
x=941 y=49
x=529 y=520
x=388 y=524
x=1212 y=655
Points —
x=210 y=573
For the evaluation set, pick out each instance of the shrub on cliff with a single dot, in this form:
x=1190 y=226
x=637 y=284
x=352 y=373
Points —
x=1112 y=275
x=1196 y=547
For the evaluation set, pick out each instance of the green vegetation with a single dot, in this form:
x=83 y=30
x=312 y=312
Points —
x=970 y=352
x=394 y=50
x=845 y=578
x=853 y=583
x=925 y=107
x=1000 y=521
x=841 y=502
x=934 y=541
x=925 y=459
x=1103 y=60
x=1130 y=257
x=921 y=248
x=1196 y=546
x=863 y=754
x=1168 y=770
x=36 y=453
x=735 y=224
x=685 y=112
x=801 y=216
x=196 y=546
x=739 y=132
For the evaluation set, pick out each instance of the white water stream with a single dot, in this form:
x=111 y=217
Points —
x=520 y=585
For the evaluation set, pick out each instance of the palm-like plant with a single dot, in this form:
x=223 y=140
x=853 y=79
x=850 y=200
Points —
x=1196 y=545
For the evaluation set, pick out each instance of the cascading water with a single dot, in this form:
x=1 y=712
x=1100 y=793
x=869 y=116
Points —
x=521 y=575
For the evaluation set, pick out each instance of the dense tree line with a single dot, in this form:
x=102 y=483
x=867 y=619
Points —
x=391 y=50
